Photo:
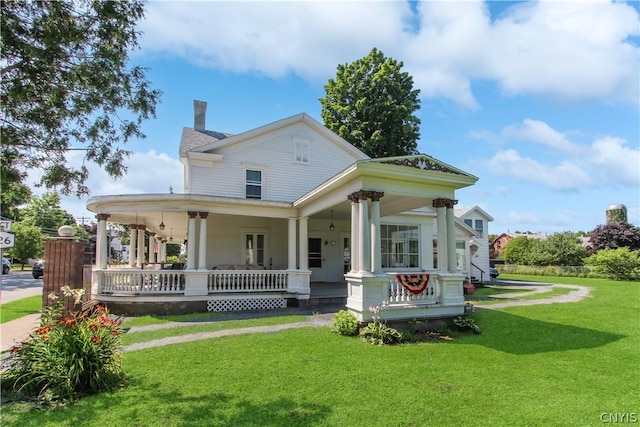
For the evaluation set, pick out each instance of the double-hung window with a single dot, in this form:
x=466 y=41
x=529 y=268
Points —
x=253 y=181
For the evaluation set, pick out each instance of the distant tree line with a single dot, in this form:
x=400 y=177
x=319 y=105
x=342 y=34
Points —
x=613 y=250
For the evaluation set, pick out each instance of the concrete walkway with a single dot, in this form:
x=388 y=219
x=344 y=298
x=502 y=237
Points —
x=18 y=330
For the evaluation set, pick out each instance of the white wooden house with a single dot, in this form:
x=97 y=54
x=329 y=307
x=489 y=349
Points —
x=288 y=213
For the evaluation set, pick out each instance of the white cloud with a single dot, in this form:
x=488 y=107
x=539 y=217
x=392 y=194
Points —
x=149 y=172
x=613 y=162
x=563 y=176
x=568 y=50
x=606 y=161
x=541 y=133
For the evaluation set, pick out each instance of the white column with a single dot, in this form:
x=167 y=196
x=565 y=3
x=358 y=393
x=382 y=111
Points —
x=202 y=253
x=376 y=249
x=442 y=234
x=101 y=241
x=451 y=237
x=163 y=250
x=191 y=242
x=152 y=247
x=304 y=243
x=355 y=237
x=365 y=239
x=426 y=245
x=140 y=260
x=133 y=239
x=291 y=244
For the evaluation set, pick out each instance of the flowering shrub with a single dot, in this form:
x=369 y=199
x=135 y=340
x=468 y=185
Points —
x=466 y=321
x=345 y=323
x=68 y=356
x=377 y=332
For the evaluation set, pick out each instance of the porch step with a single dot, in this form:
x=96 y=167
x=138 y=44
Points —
x=336 y=300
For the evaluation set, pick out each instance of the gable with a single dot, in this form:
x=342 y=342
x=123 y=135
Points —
x=292 y=156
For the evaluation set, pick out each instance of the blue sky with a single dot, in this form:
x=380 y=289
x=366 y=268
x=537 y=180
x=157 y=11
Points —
x=540 y=100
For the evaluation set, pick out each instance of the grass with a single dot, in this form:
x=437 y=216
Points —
x=486 y=295
x=202 y=327
x=552 y=365
x=15 y=309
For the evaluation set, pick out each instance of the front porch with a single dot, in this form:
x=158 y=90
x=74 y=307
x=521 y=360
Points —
x=130 y=291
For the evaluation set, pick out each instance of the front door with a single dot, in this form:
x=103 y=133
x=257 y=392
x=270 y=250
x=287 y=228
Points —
x=316 y=259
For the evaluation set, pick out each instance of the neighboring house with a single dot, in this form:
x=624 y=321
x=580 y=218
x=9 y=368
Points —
x=498 y=244
x=272 y=213
x=478 y=220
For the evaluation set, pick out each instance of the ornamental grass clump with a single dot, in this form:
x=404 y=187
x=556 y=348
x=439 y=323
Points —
x=378 y=332
x=70 y=355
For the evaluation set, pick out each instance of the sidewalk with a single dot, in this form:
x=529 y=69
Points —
x=18 y=330
x=11 y=333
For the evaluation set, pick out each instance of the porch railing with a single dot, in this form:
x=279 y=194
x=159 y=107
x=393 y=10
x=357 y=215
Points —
x=247 y=281
x=139 y=282
x=400 y=294
x=142 y=282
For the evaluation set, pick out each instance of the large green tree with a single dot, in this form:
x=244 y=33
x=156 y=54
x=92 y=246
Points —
x=67 y=85
x=371 y=103
x=14 y=193
x=28 y=242
x=565 y=249
x=45 y=213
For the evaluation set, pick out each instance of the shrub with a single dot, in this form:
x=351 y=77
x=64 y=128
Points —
x=67 y=356
x=467 y=321
x=616 y=264
x=345 y=323
x=377 y=332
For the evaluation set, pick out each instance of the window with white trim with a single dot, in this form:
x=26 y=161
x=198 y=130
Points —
x=479 y=226
x=301 y=151
x=253 y=181
x=400 y=246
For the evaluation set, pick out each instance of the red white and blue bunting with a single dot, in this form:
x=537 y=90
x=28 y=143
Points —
x=414 y=283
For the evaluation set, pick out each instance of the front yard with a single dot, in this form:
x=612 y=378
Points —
x=557 y=364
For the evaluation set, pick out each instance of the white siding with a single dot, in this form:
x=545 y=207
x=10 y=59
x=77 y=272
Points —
x=273 y=153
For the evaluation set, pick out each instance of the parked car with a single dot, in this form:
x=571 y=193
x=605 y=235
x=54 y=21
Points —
x=38 y=269
x=493 y=272
x=6 y=266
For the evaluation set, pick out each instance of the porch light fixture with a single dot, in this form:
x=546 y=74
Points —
x=162 y=222
x=331 y=226
x=171 y=237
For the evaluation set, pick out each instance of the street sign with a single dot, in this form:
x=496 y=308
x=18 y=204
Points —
x=7 y=240
x=5 y=225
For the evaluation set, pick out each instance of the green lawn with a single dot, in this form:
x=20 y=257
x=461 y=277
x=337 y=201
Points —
x=19 y=308
x=551 y=365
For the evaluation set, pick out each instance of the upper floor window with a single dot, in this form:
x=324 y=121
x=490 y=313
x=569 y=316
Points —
x=479 y=225
x=301 y=151
x=253 y=184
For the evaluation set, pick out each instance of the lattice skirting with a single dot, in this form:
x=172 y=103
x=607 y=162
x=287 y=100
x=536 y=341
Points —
x=246 y=304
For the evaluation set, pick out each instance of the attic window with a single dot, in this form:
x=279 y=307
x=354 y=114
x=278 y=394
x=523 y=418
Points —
x=301 y=151
x=253 y=184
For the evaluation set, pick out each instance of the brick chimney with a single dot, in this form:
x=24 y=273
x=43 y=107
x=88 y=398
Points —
x=199 y=115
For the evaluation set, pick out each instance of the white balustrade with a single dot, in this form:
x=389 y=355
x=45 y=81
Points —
x=142 y=282
x=247 y=281
x=399 y=294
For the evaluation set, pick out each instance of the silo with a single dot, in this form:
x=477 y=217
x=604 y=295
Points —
x=616 y=213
